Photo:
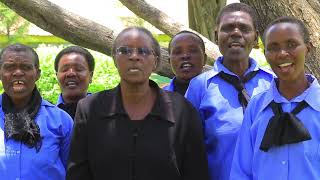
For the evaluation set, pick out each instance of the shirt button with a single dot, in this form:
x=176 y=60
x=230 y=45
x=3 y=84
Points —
x=283 y=162
x=17 y=178
x=18 y=152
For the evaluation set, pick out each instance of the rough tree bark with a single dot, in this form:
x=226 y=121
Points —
x=306 y=10
x=202 y=15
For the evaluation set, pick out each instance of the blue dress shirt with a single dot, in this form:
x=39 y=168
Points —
x=221 y=112
x=17 y=161
x=288 y=162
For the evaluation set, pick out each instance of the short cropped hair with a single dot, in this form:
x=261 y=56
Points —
x=234 y=7
x=77 y=50
x=288 y=19
x=17 y=47
x=189 y=32
x=155 y=45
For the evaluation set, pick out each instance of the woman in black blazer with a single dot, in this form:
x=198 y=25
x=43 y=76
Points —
x=137 y=131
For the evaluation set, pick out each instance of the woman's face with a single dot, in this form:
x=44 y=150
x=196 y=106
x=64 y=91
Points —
x=186 y=56
x=134 y=57
x=18 y=74
x=286 y=51
x=74 y=75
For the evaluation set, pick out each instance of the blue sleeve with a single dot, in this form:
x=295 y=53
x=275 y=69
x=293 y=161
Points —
x=194 y=94
x=67 y=125
x=242 y=160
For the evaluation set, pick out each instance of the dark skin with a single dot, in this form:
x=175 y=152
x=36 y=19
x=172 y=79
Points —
x=134 y=70
x=286 y=52
x=19 y=74
x=74 y=77
x=236 y=36
x=187 y=58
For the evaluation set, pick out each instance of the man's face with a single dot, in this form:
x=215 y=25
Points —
x=236 y=36
x=19 y=74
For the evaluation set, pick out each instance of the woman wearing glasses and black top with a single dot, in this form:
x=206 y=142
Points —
x=137 y=130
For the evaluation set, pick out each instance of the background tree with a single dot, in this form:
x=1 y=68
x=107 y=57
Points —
x=86 y=33
x=202 y=15
x=11 y=24
x=306 y=10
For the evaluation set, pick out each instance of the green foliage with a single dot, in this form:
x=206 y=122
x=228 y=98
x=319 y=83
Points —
x=33 y=40
x=11 y=24
x=163 y=39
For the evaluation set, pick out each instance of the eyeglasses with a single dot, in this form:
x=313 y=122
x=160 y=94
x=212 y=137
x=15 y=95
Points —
x=127 y=51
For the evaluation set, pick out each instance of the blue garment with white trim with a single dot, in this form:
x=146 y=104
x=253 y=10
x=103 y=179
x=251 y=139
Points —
x=291 y=161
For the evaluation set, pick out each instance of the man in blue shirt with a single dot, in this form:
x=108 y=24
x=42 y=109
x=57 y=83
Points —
x=221 y=94
x=280 y=135
x=34 y=134
x=187 y=58
x=74 y=66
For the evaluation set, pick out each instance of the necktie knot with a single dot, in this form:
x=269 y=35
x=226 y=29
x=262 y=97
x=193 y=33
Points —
x=238 y=84
x=284 y=127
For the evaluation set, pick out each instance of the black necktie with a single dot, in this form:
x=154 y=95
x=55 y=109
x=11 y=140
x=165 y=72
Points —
x=243 y=96
x=284 y=127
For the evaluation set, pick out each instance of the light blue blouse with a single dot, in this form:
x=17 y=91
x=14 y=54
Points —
x=294 y=161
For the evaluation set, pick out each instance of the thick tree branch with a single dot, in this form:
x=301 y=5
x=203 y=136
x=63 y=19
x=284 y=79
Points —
x=64 y=24
x=73 y=28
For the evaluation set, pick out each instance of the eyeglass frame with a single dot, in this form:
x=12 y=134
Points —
x=137 y=50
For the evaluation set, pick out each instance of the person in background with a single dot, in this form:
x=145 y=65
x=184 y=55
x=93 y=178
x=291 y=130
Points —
x=34 y=134
x=187 y=58
x=281 y=129
x=137 y=130
x=74 y=68
x=221 y=94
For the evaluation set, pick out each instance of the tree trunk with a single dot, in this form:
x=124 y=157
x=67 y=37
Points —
x=306 y=10
x=202 y=16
